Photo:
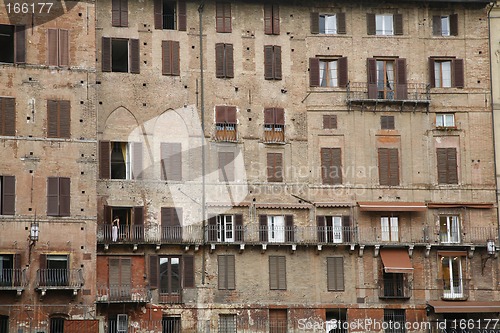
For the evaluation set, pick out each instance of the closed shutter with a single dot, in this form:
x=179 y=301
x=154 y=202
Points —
x=279 y=115
x=104 y=159
x=393 y=167
x=458 y=73
x=226 y=272
x=153 y=271
x=230 y=272
x=223 y=17
x=170 y=57
x=115 y=13
x=64 y=119
x=238 y=222
x=314 y=79
x=281 y=273
x=274 y=167
x=273 y=272
x=175 y=58
x=134 y=56
x=7 y=116
x=139 y=215
x=63 y=46
x=119 y=276
x=329 y=121
x=398 y=24
x=372 y=78
x=387 y=122
x=442 y=166
x=320 y=224
x=269 y=116
x=401 y=86
x=52 y=47
x=383 y=166
x=337 y=165
x=8 y=195
x=335 y=273
x=52 y=196
x=432 y=73
x=452 y=165
x=158 y=14
x=331 y=165
x=170 y=217
x=370 y=24
x=342 y=72
x=315 y=23
x=64 y=196
x=20 y=44
x=276 y=19
x=341 y=24
x=106 y=54
x=219 y=60
x=222 y=272
x=277 y=63
x=268 y=62
x=126 y=277
x=52 y=119
x=137 y=168
x=182 y=15
x=289 y=229
x=268 y=19
x=454 y=24
x=171 y=157
x=212 y=228
x=263 y=236
x=347 y=229
x=188 y=271
x=124 y=13
x=229 y=61
x=436 y=25
x=226 y=166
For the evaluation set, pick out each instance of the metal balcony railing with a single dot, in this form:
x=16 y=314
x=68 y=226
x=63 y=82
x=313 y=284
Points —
x=13 y=279
x=59 y=278
x=394 y=288
x=399 y=234
x=123 y=294
x=454 y=289
x=411 y=92
x=225 y=132
x=152 y=234
x=274 y=133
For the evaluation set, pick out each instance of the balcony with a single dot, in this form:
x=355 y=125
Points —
x=466 y=236
x=123 y=294
x=59 y=279
x=274 y=134
x=454 y=289
x=13 y=279
x=395 y=288
x=394 y=235
x=225 y=132
x=139 y=234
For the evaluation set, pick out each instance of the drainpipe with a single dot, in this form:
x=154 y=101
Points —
x=202 y=106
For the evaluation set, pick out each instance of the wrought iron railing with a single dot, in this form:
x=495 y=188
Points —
x=414 y=92
x=225 y=132
x=59 y=278
x=123 y=294
x=13 y=278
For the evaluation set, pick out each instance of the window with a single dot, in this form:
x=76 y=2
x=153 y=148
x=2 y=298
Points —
x=131 y=223
x=445 y=25
x=333 y=317
x=13 y=41
x=272 y=62
x=387 y=122
x=388 y=166
x=120 y=160
x=274 y=167
x=335 y=273
x=394 y=320
x=58 y=119
x=225 y=228
x=389 y=227
x=226 y=166
x=10 y=271
x=277 y=272
x=223 y=16
x=170 y=15
x=4 y=323
x=331 y=166
x=227 y=323
x=7 y=195
x=226 y=272
x=329 y=121
x=224 y=63
x=225 y=123
x=446 y=73
x=334 y=229
x=122 y=323
x=54 y=270
x=271 y=19
x=445 y=120
x=58 y=47
x=7 y=116
x=171 y=324
x=278 y=322
x=384 y=24
x=57 y=325
x=58 y=196
x=119 y=13
x=274 y=125
x=451 y=269
x=170 y=58
x=120 y=55
x=120 y=279
x=171 y=161
x=387 y=79
x=449 y=229
x=276 y=228
x=324 y=72
x=171 y=226
x=394 y=285
x=170 y=274
x=328 y=23
x=447 y=165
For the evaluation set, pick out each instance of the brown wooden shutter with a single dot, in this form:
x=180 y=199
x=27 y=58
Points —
x=458 y=73
x=153 y=271
x=124 y=13
x=188 y=271
x=314 y=79
x=52 y=47
x=137 y=168
x=274 y=167
x=454 y=24
x=182 y=15
x=223 y=17
x=158 y=14
x=315 y=23
x=442 y=163
x=432 y=75
x=383 y=166
x=342 y=72
x=64 y=196
x=282 y=273
x=393 y=167
x=115 y=13
x=372 y=78
x=347 y=229
x=222 y=272
x=64 y=119
x=279 y=116
x=371 y=26
x=276 y=19
x=229 y=62
x=273 y=272
x=231 y=114
x=171 y=157
x=227 y=17
x=326 y=166
x=104 y=159
x=8 y=195
x=175 y=58
x=341 y=24
x=335 y=273
x=238 y=222
x=63 y=47
x=20 y=44
x=43 y=266
x=219 y=60
x=134 y=56
x=170 y=216
x=289 y=229
x=106 y=54
x=52 y=119
x=436 y=25
x=329 y=121
x=166 y=51
x=277 y=63
x=126 y=276
x=268 y=62
x=263 y=236
x=52 y=196
x=401 y=85
x=230 y=272
x=7 y=116
x=268 y=19
x=212 y=228
x=320 y=225
x=398 y=24
x=387 y=122
x=337 y=166
x=107 y=211
x=269 y=116
x=452 y=165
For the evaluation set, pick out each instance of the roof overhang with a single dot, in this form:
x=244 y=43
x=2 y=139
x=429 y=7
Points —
x=464 y=307
x=376 y=206
x=396 y=260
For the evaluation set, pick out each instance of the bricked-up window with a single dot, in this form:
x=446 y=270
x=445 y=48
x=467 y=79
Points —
x=277 y=272
x=445 y=25
x=394 y=320
x=227 y=323
x=335 y=273
x=446 y=73
x=226 y=166
x=332 y=23
x=171 y=274
x=7 y=116
x=331 y=166
x=226 y=272
x=171 y=161
x=170 y=15
x=224 y=63
x=223 y=17
x=58 y=119
x=447 y=165
x=225 y=228
x=170 y=57
x=58 y=196
x=171 y=324
x=120 y=160
x=120 y=55
x=171 y=224
x=58 y=47
x=13 y=41
x=120 y=279
x=387 y=122
x=271 y=19
x=272 y=62
x=388 y=166
x=384 y=24
x=324 y=72
x=387 y=79
x=274 y=167
x=329 y=121
x=119 y=13
x=8 y=195
x=274 y=125
x=334 y=229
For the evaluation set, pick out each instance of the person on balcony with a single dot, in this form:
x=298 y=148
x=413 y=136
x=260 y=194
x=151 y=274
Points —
x=115 y=228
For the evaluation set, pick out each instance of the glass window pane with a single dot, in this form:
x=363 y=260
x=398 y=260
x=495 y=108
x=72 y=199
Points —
x=439 y=120
x=330 y=24
x=446 y=68
x=445 y=25
x=322 y=73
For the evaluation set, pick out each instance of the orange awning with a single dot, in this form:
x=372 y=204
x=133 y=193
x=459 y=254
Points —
x=396 y=260
x=376 y=206
x=464 y=306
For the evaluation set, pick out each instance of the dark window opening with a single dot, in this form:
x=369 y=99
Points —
x=333 y=318
x=57 y=325
x=278 y=321
x=57 y=273
x=7 y=195
x=171 y=324
x=6 y=273
x=387 y=122
x=7 y=50
x=397 y=318
x=170 y=276
x=169 y=9
x=4 y=324
x=119 y=160
x=394 y=285
x=119 y=55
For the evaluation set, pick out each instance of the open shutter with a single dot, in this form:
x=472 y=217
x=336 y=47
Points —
x=52 y=47
x=372 y=78
x=454 y=24
x=314 y=80
x=182 y=15
x=277 y=63
x=106 y=54
x=398 y=24
x=115 y=13
x=52 y=119
x=153 y=271
x=341 y=24
x=458 y=73
x=104 y=159
x=342 y=72
x=134 y=56
x=137 y=168
x=263 y=237
x=188 y=271
x=219 y=60
x=53 y=196
x=124 y=13
x=401 y=85
x=347 y=229
x=268 y=19
x=63 y=47
x=64 y=196
x=393 y=167
x=7 y=116
x=43 y=267
x=229 y=62
x=64 y=119
x=436 y=25
x=452 y=169
x=107 y=210
x=238 y=222
x=432 y=74
x=18 y=276
x=20 y=44
x=268 y=62
x=8 y=195
x=289 y=229
x=212 y=228
x=315 y=23
x=383 y=166
x=320 y=225
x=370 y=24
x=158 y=14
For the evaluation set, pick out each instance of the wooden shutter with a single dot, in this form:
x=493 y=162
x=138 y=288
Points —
x=153 y=271
x=273 y=272
x=314 y=79
x=7 y=116
x=263 y=236
x=212 y=228
x=442 y=165
x=171 y=157
x=342 y=72
x=268 y=19
x=281 y=273
x=393 y=167
x=326 y=166
x=52 y=47
x=104 y=159
x=229 y=62
x=52 y=196
x=289 y=229
x=188 y=262
x=20 y=44
x=274 y=167
x=158 y=14
x=315 y=23
x=52 y=119
x=107 y=211
x=170 y=216
x=372 y=78
x=223 y=17
x=238 y=222
x=230 y=272
x=401 y=85
x=226 y=166
x=124 y=13
x=279 y=116
x=226 y=272
x=398 y=24
x=64 y=119
x=387 y=122
x=176 y=58
x=171 y=57
x=458 y=73
x=64 y=196
x=268 y=62
x=341 y=24
x=269 y=116
x=134 y=56
x=277 y=63
x=371 y=26
x=447 y=165
x=432 y=74
x=436 y=25
x=329 y=121
x=8 y=195
x=347 y=229
x=276 y=19
x=320 y=225
x=106 y=54
x=182 y=15
x=335 y=273
x=337 y=166
x=383 y=166
x=115 y=13
x=219 y=60
x=227 y=17
x=454 y=24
